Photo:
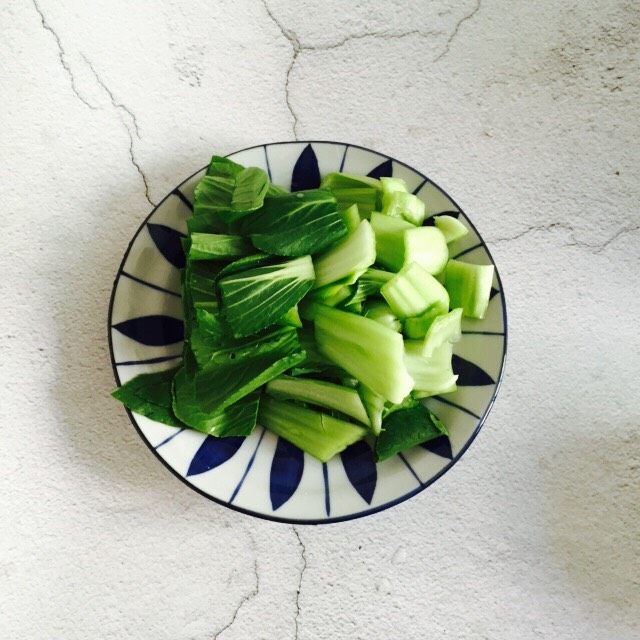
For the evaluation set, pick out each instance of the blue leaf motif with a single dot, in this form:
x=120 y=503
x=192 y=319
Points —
x=360 y=468
x=469 y=374
x=383 y=170
x=286 y=472
x=169 y=243
x=440 y=446
x=306 y=173
x=154 y=331
x=213 y=452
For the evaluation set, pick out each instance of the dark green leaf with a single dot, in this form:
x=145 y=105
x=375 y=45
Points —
x=212 y=246
x=255 y=299
x=149 y=394
x=223 y=167
x=406 y=428
x=296 y=224
x=219 y=386
x=238 y=419
x=251 y=187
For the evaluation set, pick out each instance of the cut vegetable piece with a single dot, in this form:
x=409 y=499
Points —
x=353 y=254
x=381 y=312
x=207 y=222
x=218 y=387
x=389 y=234
x=296 y=224
x=412 y=291
x=342 y=294
x=375 y=278
x=407 y=428
x=211 y=246
x=319 y=434
x=391 y=185
x=427 y=247
x=369 y=351
x=430 y=374
x=452 y=388
x=443 y=329
x=469 y=286
x=250 y=189
x=257 y=298
x=238 y=419
x=349 y=189
x=351 y=217
x=329 y=290
x=374 y=404
x=291 y=318
x=418 y=326
x=231 y=197
x=451 y=227
x=320 y=393
x=149 y=394
x=399 y=204
x=223 y=167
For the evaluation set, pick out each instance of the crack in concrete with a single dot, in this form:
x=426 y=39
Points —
x=293 y=39
x=249 y=596
x=120 y=107
x=114 y=102
x=594 y=247
x=303 y=555
x=454 y=33
x=62 y=56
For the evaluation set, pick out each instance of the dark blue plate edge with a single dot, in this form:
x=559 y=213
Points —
x=359 y=514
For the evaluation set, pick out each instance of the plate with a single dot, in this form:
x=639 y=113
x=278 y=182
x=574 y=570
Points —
x=263 y=475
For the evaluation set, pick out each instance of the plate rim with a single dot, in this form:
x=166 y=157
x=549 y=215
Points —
x=358 y=514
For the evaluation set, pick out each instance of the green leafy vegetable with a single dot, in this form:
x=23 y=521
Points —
x=319 y=434
x=296 y=224
x=432 y=375
x=223 y=167
x=350 y=256
x=238 y=419
x=369 y=351
x=407 y=428
x=250 y=189
x=255 y=299
x=149 y=394
x=469 y=286
x=320 y=393
x=232 y=378
x=348 y=190
x=270 y=335
x=211 y=246
x=412 y=291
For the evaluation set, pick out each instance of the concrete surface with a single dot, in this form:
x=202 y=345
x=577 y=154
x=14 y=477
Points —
x=527 y=113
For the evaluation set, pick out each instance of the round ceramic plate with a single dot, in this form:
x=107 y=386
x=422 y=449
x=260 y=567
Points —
x=264 y=475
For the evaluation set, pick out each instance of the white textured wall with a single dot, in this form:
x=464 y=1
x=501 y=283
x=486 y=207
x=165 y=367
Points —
x=527 y=112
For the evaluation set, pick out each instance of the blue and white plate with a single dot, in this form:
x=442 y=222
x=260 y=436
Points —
x=264 y=475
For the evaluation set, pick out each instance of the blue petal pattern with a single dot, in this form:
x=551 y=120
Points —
x=154 y=331
x=213 y=452
x=169 y=244
x=286 y=472
x=469 y=374
x=383 y=170
x=440 y=446
x=360 y=468
x=306 y=173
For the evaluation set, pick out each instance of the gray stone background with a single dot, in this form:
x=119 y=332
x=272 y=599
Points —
x=527 y=112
